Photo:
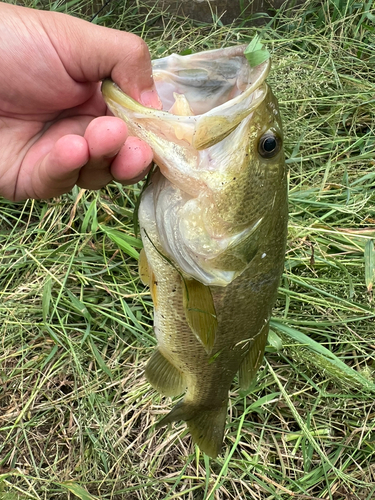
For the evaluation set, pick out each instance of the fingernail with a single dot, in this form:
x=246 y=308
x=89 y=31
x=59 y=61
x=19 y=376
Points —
x=151 y=99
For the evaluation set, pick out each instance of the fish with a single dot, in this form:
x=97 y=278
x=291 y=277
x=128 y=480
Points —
x=213 y=222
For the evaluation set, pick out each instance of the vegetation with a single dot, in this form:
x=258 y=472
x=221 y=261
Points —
x=76 y=413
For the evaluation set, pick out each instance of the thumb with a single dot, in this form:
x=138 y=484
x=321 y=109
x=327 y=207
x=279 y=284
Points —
x=91 y=53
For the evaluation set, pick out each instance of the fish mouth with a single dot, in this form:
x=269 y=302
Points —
x=219 y=89
x=208 y=79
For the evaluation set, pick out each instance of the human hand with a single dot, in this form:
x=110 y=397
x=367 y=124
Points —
x=54 y=132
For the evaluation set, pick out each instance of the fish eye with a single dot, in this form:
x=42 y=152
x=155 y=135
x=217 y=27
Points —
x=269 y=145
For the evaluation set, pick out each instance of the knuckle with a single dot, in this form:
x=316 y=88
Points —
x=139 y=49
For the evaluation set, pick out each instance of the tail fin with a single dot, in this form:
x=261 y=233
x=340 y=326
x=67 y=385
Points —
x=206 y=426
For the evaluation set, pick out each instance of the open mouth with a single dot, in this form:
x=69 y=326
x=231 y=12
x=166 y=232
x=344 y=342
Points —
x=204 y=97
x=207 y=79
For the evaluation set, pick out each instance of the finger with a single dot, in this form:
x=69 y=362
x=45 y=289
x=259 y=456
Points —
x=52 y=157
x=132 y=162
x=94 y=106
x=57 y=172
x=105 y=136
x=91 y=53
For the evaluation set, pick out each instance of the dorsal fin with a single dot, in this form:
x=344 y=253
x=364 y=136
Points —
x=253 y=359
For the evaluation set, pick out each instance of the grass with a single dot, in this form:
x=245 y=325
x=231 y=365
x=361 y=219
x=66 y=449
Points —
x=76 y=413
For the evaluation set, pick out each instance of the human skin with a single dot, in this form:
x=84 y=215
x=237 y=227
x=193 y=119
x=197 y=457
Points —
x=55 y=129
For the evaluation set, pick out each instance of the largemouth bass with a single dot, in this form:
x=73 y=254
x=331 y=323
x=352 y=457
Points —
x=213 y=223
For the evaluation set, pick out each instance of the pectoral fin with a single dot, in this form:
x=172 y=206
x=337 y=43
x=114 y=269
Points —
x=200 y=312
x=253 y=359
x=163 y=376
x=143 y=268
x=147 y=276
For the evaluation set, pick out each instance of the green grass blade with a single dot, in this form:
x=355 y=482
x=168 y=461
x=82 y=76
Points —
x=123 y=241
x=327 y=360
x=78 y=490
x=369 y=264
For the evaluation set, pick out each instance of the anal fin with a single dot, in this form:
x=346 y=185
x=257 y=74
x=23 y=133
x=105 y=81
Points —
x=163 y=376
x=253 y=359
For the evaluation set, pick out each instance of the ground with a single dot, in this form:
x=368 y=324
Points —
x=76 y=413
